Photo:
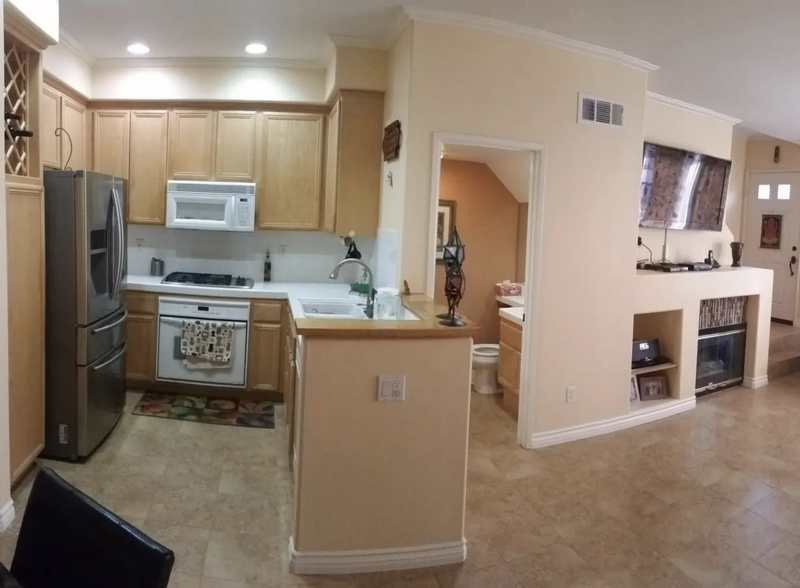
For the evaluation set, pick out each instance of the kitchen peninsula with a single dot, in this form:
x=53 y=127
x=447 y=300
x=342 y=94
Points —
x=401 y=504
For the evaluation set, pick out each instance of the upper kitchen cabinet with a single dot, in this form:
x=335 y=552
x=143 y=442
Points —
x=111 y=142
x=353 y=171
x=147 y=201
x=289 y=171
x=73 y=119
x=49 y=121
x=60 y=110
x=236 y=146
x=191 y=144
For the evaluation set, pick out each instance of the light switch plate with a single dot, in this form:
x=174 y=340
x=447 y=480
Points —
x=391 y=388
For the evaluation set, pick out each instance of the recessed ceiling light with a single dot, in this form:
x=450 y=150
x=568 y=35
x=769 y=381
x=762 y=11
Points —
x=256 y=48
x=138 y=48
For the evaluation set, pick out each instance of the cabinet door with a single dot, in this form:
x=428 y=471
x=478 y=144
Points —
x=49 y=121
x=289 y=182
x=236 y=146
x=141 y=355
x=147 y=202
x=25 y=234
x=331 y=168
x=73 y=115
x=508 y=367
x=191 y=144
x=263 y=370
x=288 y=390
x=111 y=142
x=360 y=155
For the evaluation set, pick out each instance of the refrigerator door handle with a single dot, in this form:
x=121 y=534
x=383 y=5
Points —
x=112 y=360
x=112 y=325
x=119 y=244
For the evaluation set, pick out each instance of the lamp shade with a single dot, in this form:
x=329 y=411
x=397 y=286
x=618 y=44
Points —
x=454 y=249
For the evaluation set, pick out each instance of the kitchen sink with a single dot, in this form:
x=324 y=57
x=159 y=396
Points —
x=332 y=309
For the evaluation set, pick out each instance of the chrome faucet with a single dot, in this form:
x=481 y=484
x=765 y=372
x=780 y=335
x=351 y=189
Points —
x=371 y=293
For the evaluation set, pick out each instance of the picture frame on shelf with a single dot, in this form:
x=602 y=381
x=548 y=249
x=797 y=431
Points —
x=633 y=395
x=653 y=387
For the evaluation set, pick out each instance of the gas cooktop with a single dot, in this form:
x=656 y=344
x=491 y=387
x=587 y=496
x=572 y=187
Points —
x=208 y=280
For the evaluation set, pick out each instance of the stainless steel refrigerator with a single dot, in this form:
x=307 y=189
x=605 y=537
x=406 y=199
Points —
x=85 y=249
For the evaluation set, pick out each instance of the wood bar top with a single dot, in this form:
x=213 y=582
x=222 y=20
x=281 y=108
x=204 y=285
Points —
x=427 y=326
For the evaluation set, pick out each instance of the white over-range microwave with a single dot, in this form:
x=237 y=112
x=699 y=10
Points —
x=211 y=206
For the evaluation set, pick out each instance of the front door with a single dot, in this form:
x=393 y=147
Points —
x=772 y=234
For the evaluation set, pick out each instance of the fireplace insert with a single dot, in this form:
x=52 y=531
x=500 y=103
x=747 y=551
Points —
x=720 y=358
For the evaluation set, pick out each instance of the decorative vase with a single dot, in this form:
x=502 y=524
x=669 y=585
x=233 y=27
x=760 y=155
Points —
x=736 y=250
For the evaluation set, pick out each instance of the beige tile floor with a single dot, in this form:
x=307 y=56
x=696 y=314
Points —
x=709 y=498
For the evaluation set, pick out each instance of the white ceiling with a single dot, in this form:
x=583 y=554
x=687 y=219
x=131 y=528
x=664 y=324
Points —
x=738 y=57
x=512 y=168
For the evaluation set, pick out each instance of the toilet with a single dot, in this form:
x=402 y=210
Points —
x=484 y=368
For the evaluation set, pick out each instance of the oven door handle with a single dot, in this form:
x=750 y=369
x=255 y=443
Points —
x=113 y=359
x=179 y=321
x=112 y=325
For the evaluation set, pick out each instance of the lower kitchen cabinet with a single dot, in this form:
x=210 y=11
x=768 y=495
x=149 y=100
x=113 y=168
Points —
x=25 y=259
x=141 y=332
x=263 y=370
x=508 y=368
x=288 y=380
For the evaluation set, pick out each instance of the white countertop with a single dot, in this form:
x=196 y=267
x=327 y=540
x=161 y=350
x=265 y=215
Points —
x=293 y=292
x=513 y=314
x=517 y=301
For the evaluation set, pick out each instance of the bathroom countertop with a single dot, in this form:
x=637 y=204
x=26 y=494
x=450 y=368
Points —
x=513 y=314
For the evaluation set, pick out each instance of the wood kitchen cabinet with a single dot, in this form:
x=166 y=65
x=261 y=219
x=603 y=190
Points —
x=264 y=353
x=111 y=142
x=235 y=159
x=141 y=329
x=60 y=110
x=353 y=164
x=288 y=380
x=25 y=235
x=191 y=144
x=289 y=174
x=508 y=368
x=49 y=121
x=147 y=188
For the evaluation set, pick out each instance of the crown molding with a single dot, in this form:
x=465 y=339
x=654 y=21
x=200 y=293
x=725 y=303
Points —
x=675 y=103
x=515 y=30
x=24 y=29
x=73 y=45
x=358 y=42
x=219 y=62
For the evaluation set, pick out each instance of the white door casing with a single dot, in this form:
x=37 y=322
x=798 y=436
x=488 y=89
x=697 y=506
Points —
x=774 y=194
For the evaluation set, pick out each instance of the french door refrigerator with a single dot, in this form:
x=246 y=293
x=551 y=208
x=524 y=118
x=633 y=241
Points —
x=85 y=260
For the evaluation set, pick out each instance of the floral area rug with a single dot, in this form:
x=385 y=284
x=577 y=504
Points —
x=216 y=411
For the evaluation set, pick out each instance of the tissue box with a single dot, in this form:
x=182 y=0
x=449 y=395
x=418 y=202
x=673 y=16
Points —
x=509 y=289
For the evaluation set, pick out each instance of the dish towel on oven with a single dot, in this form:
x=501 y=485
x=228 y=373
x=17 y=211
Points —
x=206 y=344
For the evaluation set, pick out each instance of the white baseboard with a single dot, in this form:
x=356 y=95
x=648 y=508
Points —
x=757 y=382
x=634 y=419
x=375 y=560
x=7 y=515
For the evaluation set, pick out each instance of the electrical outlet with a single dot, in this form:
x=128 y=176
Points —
x=282 y=250
x=391 y=388
x=572 y=394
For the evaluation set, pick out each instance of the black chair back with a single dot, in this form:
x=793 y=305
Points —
x=67 y=540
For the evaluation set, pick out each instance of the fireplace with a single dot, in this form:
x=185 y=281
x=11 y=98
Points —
x=720 y=344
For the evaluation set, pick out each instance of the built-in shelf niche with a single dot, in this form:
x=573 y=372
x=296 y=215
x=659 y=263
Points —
x=667 y=328
x=22 y=87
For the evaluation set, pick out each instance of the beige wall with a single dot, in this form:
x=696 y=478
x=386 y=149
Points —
x=522 y=242
x=63 y=64
x=5 y=438
x=281 y=84
x=487 y=216
x=357 y=68
x=396 y=107
x=760 y=153
x=382 y=475
x=693 y=131
x=475 y=82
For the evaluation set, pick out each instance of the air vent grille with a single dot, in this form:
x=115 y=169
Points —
x=239 y=188
x=599 y=111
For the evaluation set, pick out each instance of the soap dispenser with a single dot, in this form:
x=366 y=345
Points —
x=267 y=268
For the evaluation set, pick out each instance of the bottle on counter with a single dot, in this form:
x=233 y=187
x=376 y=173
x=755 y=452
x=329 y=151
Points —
x=267 y=268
